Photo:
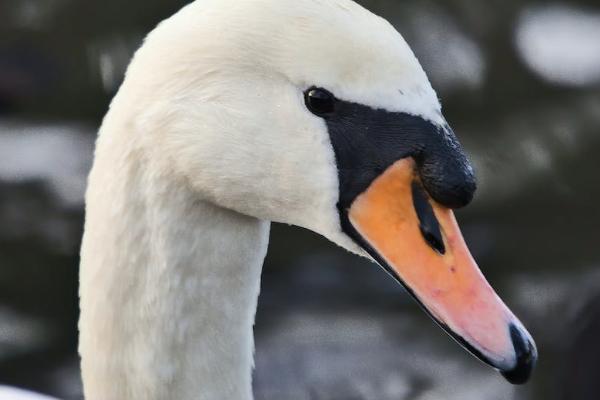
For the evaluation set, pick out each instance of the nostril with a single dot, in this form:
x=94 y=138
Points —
x=525 y=356
x=428 y=223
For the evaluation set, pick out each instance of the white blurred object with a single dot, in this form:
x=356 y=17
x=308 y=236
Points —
x=452 y=58
x=58 y=155
x=561 y=44
x=8 y=393
x=109 y=57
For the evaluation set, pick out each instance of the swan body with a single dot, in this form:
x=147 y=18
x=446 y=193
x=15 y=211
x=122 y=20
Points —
x=207 y=141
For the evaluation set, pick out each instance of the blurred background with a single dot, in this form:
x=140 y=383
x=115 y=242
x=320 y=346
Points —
x=519 y=81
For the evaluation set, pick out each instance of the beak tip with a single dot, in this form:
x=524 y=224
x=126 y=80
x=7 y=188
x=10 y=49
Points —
x=526 y=357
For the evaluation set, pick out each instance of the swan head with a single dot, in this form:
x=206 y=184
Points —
x=318 y=114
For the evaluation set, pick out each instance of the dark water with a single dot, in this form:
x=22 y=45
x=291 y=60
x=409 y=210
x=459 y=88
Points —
x=520 y=83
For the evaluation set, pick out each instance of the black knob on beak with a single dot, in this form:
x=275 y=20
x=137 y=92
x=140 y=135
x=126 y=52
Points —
x=445 y=170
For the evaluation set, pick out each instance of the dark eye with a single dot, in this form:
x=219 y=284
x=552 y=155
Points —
x=319 y=101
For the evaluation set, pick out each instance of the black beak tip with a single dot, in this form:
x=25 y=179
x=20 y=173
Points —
x=526 y=358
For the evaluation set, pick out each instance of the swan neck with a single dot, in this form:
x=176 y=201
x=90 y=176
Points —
x=168 y=286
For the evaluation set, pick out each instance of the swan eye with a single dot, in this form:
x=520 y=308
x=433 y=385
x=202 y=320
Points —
x=319 y=101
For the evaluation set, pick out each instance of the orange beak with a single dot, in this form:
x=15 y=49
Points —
x=419 y=242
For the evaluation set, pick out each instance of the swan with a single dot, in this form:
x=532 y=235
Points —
x=236 y=113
